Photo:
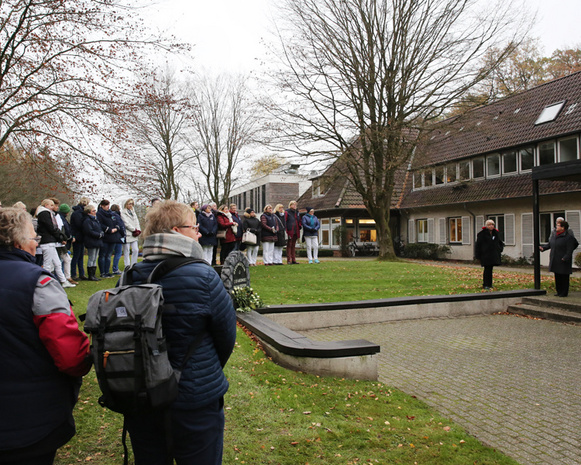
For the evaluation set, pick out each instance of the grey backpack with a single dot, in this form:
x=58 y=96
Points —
x=128 y=346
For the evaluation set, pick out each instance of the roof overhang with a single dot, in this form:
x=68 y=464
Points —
x=565 y=171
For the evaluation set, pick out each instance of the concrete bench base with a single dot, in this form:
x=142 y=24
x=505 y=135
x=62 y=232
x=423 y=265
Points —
x=277 y=327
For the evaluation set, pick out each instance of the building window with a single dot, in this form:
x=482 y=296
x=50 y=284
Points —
x=548 y=223
x=336 y=237
x=546 y=153
x=428 y=178
x=439 y=175
x=319 y=187
x=526 y=158
x=478 y=168
x=568 y=149
x=550 y=113
x=367 y=231
x=493 y=165
x=455 y=230
x=464 y=170
x=422 y=230
x=325 y=232
x=417 y=180
x=451 y=172
x=509 y=164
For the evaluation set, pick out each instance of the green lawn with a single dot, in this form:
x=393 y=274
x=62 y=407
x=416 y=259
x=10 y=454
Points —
x=276 y=416
x=344 y=280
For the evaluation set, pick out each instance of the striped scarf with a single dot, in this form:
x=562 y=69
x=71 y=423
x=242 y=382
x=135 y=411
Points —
x=159 y=246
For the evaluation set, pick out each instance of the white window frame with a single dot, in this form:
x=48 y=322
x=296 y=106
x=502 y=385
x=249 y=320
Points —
x=486 y=165
x=422 y=230
x=566 y=139
x=453 y=224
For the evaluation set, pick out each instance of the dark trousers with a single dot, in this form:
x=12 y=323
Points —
x=77 y=260
x=197 y=436
x=105 y=257
x=562 y=284
x=225 y=249
x=487 y=276
x=214 y=251
x=290 y=249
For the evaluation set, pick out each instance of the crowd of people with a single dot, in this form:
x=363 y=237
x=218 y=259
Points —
x=275 y=228
x=106 y=232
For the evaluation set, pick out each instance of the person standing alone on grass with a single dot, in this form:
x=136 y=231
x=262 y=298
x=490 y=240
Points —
x=489 y=249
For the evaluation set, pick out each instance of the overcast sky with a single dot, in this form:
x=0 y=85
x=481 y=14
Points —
x=227 y=34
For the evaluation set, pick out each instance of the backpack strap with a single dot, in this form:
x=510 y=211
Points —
x=161 y=269
x=170 y=264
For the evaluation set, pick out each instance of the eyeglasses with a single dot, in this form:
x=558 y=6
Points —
x=188 y=227
x=37 y=239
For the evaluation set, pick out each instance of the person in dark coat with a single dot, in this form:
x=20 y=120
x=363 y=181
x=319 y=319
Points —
x=112 y=236
x=44 y=352
x=252 y=224
x=239 y=231
x=198 y=308
x=118 y=248
x=269 y=234
x=280 y=235
x=93 y=240
x=77 y=218
x=562 y=244
x=489 y=247
x=208 y=225
x=293 y=229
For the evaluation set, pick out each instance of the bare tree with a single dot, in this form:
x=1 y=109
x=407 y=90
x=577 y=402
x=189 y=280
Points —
x=157 y=124
x=362 y=79
x=64 y=65
x=223 y=123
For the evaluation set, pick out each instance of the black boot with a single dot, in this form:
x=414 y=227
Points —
x=92 y=270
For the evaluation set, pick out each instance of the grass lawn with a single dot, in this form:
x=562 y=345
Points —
x=276 y=416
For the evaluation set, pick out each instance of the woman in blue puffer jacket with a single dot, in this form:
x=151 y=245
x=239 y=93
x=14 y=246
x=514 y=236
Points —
x=197 y=306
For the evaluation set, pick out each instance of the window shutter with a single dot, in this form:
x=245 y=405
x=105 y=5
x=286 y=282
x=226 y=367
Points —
x=479 y=223
x=527 y=235
x=442 y=227
x=466 y=230
x=509 y=229
x=411 y=232
x=431 y=232
x=573 y=217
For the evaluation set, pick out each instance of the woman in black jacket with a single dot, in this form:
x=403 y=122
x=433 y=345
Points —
x=562 y=245
x=92 y=239
x=252 y=224
x=489 y=249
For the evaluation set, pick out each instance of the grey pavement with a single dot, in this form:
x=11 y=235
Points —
x=513 y=382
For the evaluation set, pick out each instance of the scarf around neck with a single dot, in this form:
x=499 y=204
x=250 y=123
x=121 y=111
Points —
x=159 y=246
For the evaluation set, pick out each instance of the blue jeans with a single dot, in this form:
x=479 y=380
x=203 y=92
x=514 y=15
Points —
x=198 y=436
x=92 y=253
x=105 y=257
x=117 y=251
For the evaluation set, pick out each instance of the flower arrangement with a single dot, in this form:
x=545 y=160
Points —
x=245 y=299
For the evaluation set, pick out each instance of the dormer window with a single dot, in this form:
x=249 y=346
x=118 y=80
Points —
x=319 y=187
x=550 y=113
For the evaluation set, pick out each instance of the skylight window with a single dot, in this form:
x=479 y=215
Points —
x=550 y=113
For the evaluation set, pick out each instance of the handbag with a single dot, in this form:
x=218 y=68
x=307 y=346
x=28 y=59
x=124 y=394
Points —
x=249 y=238
x=221 y=234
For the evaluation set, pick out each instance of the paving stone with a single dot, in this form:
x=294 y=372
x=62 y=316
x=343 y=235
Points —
x=512 y=382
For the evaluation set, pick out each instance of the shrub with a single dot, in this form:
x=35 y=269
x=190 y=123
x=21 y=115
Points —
x=426 y=251
x=520 y=261
x=578 y=260
x=245 y=299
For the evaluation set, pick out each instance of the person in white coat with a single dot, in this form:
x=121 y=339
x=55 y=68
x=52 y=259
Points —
x=132 y=232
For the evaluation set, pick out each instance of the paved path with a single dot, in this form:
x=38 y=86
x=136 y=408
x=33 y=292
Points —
x=514 y=383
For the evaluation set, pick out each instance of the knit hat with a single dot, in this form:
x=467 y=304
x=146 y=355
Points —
x=309 y=209
x=249 y=210
x=64 y=208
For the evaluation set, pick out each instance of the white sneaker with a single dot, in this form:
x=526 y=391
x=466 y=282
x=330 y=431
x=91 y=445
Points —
x=67 y=284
